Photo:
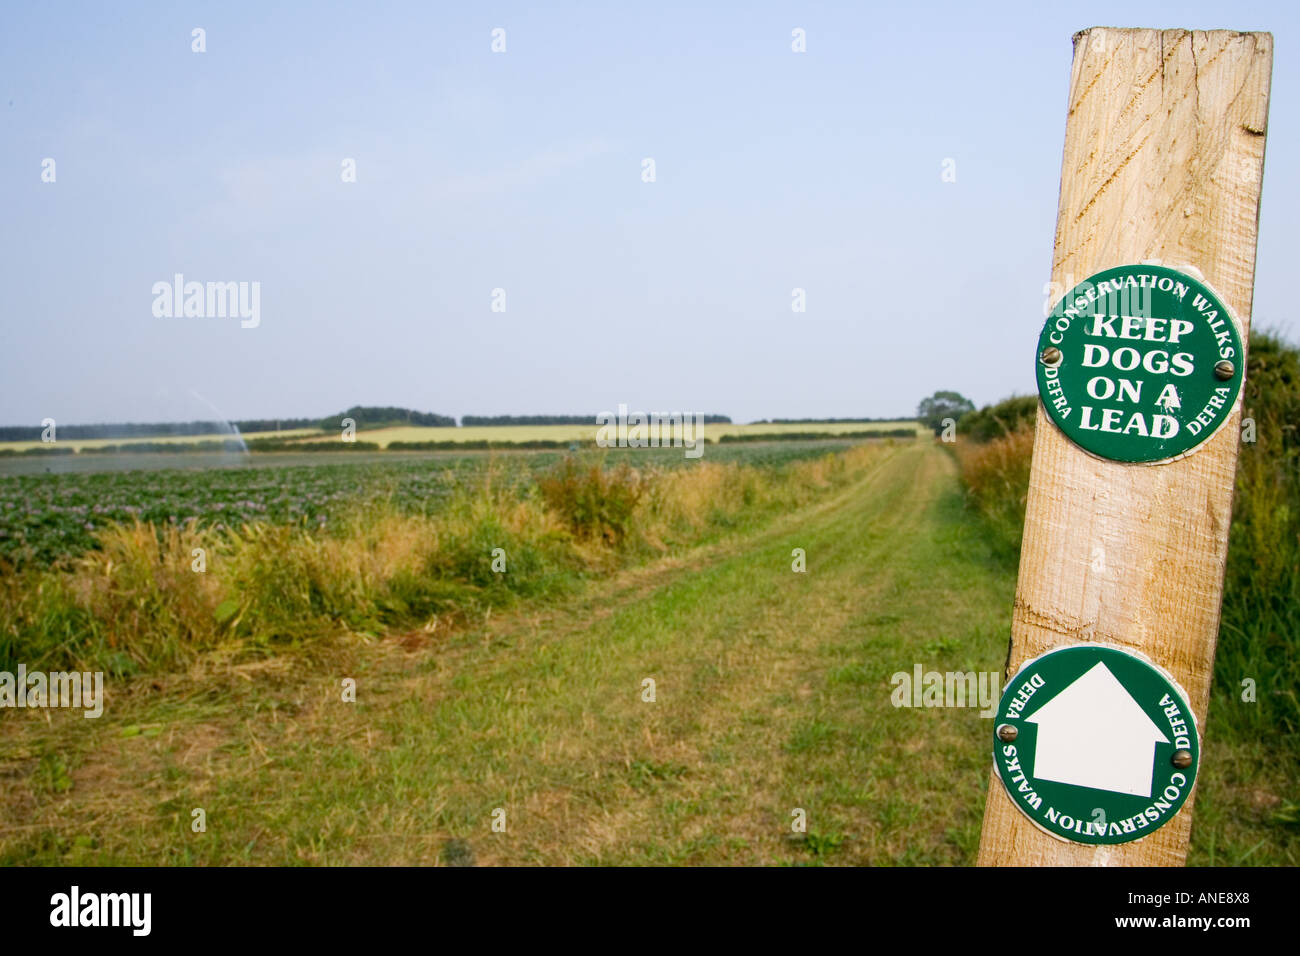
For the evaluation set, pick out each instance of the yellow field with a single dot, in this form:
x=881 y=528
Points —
x=494 y=433
x=79 y=444
x=522 y=433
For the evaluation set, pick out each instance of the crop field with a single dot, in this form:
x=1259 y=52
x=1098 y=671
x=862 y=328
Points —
x=772 y=685
x=587 y=433
x=523 y=690
x=483 y=433
x=45 y=516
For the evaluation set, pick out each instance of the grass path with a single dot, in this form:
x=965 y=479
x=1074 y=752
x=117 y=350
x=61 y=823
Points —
x=771 y=694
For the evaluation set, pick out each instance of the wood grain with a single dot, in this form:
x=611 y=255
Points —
x=1164 y=158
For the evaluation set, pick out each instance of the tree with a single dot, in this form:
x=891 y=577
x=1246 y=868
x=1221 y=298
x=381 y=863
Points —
x=994 y=421
x=933 y=410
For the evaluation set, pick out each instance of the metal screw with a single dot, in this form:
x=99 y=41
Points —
x=1051 y=355
x=1007 y=734
x=1182 y=759
x=1224 y=369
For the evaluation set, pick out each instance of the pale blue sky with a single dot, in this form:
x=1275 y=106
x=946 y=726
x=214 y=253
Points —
x=522 y=171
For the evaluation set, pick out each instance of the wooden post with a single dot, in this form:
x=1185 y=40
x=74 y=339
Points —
x=1164 y=156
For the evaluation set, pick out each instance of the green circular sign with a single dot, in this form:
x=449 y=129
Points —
x=1140 y=363
x=1095 y=744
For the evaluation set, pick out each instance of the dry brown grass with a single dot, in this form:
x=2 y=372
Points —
x=139 y=604
x=996 y=476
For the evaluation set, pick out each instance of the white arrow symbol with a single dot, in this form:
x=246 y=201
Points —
x=1094 y=734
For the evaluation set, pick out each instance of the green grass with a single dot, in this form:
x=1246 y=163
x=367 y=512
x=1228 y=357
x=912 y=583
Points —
x=539 y=712
x=772 y=694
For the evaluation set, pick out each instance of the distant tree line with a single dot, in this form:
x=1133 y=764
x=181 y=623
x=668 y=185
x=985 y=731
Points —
x=385 y=416
x=985 y=424
x=942 y=407
x=251 y=425
x=474 y=421
x=994 y=421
